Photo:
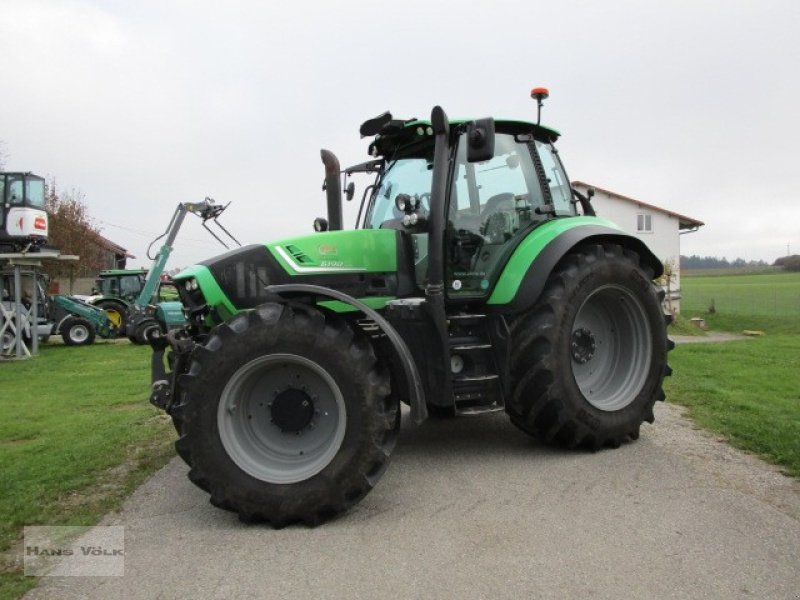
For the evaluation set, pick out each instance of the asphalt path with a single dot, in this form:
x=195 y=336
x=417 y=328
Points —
x=472 y=508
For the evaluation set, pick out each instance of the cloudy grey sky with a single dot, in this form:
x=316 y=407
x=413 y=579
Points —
x=690 y=105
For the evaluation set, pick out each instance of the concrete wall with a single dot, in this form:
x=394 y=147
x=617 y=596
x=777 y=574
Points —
x=81 y=285
x=663 y=239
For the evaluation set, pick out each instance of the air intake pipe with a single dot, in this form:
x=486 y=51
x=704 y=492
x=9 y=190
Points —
x=333 y=189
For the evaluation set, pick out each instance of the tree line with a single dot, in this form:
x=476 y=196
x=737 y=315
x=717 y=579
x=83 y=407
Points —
x=789 y=263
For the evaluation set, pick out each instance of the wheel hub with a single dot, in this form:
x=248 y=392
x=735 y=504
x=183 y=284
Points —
x=292 y=410
x=583 y=346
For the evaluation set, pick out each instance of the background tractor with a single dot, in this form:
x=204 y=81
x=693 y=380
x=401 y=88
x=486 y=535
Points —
x=471 y=284
x=117 y=290
x=77 y=322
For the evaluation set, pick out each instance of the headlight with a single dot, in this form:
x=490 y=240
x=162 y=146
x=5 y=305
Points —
x=194 y=284
x=188 y=285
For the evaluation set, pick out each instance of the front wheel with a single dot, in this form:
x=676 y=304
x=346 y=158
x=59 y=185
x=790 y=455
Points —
x=77 y=331
x=591 y=354
x=287 y=416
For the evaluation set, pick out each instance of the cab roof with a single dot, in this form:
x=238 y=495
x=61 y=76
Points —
x=396 y=133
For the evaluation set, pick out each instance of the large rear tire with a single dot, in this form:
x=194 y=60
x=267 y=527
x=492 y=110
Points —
x=591 y=355
x=116 y=313
x=287 y=416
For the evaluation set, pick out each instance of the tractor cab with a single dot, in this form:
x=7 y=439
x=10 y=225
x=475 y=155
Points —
x=493 y=199
x=23 y=218
x=125 y=284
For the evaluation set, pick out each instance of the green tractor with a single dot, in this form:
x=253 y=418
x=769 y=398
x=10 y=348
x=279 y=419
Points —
x=115 y=290
x=470 y=284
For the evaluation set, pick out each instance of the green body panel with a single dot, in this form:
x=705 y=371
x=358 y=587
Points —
x=376 y=302
x=331 y=252
x=208 y=285
x=529 y=249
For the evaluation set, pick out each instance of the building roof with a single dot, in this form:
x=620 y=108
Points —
x=684 y=222
x=112 y=247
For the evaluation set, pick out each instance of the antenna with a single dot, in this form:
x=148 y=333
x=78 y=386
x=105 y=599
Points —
x=539 y=94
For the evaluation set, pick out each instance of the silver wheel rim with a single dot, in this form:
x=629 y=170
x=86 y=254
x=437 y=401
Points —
x=247 y=426
x=611 y=348
x=79 y=333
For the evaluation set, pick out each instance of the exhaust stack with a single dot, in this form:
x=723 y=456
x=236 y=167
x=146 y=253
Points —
x=333 y=189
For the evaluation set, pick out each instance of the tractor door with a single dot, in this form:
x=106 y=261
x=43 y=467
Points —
x=492 y=207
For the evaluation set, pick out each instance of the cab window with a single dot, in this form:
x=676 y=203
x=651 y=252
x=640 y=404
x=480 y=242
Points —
x=15 y=190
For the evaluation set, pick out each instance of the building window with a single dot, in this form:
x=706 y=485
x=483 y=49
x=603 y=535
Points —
x=644 y=223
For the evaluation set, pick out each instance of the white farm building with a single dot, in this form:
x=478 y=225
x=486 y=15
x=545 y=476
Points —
x=659 y=228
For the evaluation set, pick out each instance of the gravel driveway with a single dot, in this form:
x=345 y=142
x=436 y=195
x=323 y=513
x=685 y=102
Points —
x=471 y=508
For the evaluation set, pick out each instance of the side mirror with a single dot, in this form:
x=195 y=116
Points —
x=480 y=140
x=349 y=191
x=320 y=224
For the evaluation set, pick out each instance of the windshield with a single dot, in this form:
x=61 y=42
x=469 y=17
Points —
x=410 y=176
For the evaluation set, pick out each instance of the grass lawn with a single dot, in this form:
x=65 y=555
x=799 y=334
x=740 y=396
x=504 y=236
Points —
x=748 y=391
x=77 y=435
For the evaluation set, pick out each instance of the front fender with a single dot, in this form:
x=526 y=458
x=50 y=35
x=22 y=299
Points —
x=419 y=410
x=526 y=272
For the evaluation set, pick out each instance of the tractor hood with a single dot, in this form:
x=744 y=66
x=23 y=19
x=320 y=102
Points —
x=361 y=263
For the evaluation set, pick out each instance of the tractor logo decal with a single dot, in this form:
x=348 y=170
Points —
x=328 y=266
x=327 y=249
x=39 y=223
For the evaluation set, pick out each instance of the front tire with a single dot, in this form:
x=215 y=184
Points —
x=287 y=416
x=77 y=331
x=591 y=354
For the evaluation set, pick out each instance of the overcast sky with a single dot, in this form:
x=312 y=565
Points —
x=693 y=106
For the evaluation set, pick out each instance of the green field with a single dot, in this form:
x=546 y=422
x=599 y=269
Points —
x=774 y=294
x=748 y=391
x=77 y=434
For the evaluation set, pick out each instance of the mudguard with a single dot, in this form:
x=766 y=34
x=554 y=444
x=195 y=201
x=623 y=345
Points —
x=526 y=272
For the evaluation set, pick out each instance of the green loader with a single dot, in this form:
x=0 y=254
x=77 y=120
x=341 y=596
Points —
x=475 y=281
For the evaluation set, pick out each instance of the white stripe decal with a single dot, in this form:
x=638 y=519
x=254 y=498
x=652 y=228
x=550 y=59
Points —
x=300 y=269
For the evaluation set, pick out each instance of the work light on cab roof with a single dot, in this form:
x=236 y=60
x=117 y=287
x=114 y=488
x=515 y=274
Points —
x=540 y=94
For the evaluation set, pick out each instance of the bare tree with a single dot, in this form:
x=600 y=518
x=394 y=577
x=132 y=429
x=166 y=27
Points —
x=72 y=231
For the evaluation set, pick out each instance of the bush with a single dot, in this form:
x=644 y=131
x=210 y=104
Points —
x=783 y=260
x=791 y=263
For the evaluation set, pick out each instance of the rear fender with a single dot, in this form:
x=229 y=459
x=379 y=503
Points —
x=531 y=284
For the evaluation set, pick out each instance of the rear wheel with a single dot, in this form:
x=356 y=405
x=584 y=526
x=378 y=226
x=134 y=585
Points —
x=115 y=311
x=591 y=354
x=286 y=416
x=77 y=331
